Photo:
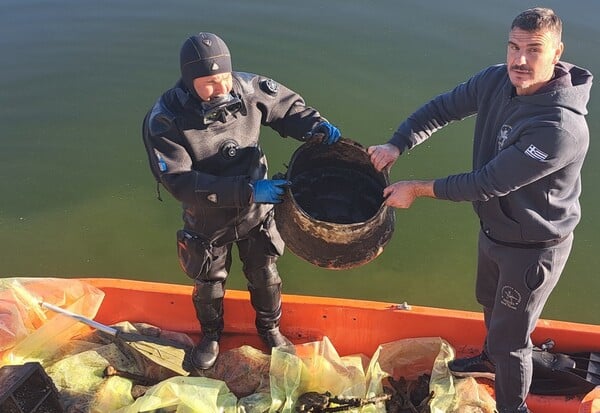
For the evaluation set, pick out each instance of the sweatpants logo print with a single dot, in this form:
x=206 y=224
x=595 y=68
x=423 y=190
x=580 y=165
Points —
x=535 y=153
x=510 y=297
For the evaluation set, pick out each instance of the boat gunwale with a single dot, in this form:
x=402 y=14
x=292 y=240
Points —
x=309 y=318
x=546 y=328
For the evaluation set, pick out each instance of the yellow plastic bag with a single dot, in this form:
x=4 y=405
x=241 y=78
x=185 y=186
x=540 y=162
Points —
x=185 y=395
x=112 y=395
x=79 y=378
x=591 y=402
x=79 y=373
x=30 y=333
x=317 y=367
x=413 y=357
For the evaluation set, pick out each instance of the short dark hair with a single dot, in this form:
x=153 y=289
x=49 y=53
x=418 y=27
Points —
x=538 y=18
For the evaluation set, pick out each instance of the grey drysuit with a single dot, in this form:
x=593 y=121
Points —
x=528 y=152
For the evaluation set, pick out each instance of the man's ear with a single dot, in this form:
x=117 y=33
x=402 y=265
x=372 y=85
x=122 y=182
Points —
x=558 y=53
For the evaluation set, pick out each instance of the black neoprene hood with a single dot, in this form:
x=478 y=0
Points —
x=204 y=54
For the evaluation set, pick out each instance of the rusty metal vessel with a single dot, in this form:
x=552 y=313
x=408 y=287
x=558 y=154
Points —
x=333 y=214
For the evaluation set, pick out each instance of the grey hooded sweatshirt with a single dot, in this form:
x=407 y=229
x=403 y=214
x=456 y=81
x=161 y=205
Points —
x=527 y=151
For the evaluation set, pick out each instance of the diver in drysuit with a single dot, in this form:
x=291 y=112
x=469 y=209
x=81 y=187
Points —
x=202 y=140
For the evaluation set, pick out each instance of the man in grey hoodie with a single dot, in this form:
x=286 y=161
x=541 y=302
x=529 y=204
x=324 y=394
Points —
x=530 y=141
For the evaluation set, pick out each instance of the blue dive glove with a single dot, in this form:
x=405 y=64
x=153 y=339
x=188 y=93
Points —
x=269 y=191
x=330 y=133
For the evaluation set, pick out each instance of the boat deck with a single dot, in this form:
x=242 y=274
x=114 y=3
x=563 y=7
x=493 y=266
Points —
x=352 y=326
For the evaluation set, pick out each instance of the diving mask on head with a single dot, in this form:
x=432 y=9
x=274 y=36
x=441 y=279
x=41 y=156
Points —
x=217 y=109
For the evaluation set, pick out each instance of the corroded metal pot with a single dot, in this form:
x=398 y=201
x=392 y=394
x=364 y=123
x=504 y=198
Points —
x=332 y=214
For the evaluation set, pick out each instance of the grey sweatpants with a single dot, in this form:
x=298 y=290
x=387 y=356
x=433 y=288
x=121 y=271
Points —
x=513 y=285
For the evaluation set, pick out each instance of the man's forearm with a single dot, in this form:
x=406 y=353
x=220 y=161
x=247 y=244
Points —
x=403 y=193
x=423 y=188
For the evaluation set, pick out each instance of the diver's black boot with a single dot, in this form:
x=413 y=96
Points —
x=205 y=353
x=273 y=338
x=208 y=302
x=265 y=296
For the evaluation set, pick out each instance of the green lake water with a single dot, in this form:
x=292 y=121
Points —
x=77 y=77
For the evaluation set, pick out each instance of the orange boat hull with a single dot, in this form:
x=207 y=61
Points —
x=353 y=326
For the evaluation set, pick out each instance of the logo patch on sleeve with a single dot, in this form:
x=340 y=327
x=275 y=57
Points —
x=535 y=153
x=162 y=165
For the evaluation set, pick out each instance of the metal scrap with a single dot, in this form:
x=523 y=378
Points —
x=409 y=396
x=315 y=402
